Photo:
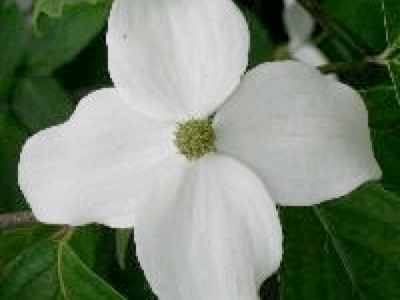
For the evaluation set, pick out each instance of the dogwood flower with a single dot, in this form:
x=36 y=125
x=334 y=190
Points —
x=193 y=153
x=299 y=26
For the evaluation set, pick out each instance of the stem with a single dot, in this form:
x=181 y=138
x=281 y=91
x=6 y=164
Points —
x=17 y=219
x=358 y=74
x=330 y=25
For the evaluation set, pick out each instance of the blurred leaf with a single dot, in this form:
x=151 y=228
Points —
x=35 y=266
x=11 y=139
x=122 y=237
x=261 y=46
x=92 y=66
x=60 y=40
x=13 y=37
x=54 y=8
x=41 y=102
x=343 y=249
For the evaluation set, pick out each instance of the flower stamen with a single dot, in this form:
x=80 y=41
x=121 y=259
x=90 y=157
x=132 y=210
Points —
x=195 y=138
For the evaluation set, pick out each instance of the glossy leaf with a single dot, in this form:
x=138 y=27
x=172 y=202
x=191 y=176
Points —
x=45 y=268
x=343 y=249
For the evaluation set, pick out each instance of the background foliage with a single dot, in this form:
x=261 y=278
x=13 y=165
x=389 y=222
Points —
x=347 y=248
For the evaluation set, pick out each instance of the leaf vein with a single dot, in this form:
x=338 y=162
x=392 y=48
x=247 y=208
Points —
x=339 y=252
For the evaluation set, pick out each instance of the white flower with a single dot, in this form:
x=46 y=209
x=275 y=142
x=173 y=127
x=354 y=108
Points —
x=205 y=228
x=299 y=26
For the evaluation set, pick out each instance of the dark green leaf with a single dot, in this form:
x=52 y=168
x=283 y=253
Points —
x=384 y=112
x=391 y=56
x=343 y=249
x=391 y=10
x=261 y=46
x=36 y=266
x=13 y=37
x=60 y=40
x=387 y=152
x=11 y=139
x=363 y=19
x=384 y=120
x=41 y=102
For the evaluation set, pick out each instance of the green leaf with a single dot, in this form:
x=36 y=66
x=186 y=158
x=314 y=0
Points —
x=363 y=19
x=391 y=56
x=261 y=46
x=343 y=249
x=387 y=152
x=40 y=102
x=60 y=40
x=376 y=23
x=384 y=121
x=54 y=8
x=43 y=268
x=11 y=139
x=13 y=37
x=391 y=10
x=384 y=112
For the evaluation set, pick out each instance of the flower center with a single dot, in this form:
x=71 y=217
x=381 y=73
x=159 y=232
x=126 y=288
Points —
x=194 y=138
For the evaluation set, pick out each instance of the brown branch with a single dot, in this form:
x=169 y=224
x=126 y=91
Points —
x=17 y=219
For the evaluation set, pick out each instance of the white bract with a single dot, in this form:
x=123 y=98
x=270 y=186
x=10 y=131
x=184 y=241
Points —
x=299 y=26
x=205 y=228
